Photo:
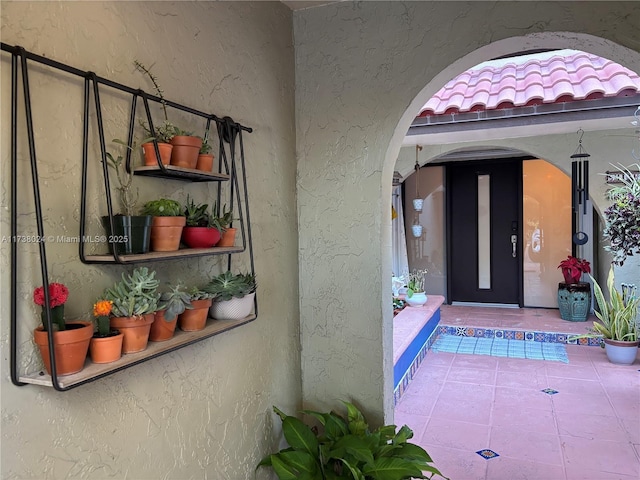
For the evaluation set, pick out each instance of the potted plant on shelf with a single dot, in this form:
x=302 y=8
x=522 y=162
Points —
x=202 y=229
x=205 y=157
x=574 y=296
x=167 y=224
x=71 y=340
x=172 y=304
x=416 y=296
x=195 y=318
x=233 y=295
x=228 y=233
x=618 y=326
x=131 y=233
x=346 y=448
x=622 y=217
x=134 y=300
x=106 y=343
x=186 y=146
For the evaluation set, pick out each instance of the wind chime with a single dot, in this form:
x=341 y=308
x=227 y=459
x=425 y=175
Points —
x=579 y=191
x=418 y=201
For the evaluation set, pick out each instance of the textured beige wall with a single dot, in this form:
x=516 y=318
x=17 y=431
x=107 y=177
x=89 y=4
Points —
x=362 y=72
x=203 y=411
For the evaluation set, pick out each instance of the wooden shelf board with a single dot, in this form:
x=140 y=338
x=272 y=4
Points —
x=180 y=339
x=153 y=256
x=180 y=173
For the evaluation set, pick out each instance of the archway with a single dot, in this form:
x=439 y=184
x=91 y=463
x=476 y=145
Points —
x=547 y=40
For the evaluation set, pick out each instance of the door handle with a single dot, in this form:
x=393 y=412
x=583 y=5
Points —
x=514 y=242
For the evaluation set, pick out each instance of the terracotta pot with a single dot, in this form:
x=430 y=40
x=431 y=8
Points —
x=106 y=349
x=185 y=151
x=166 y=233
x=150 y=158
x=200 y=237
x=136 y=331
x=228 y=238
x=71 y=347
x=234 y=309
x=205 y=162
x=195 y=319
x=162 y=329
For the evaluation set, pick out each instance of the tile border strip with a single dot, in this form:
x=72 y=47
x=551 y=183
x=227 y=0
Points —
x=524 y=335
x=413 y=368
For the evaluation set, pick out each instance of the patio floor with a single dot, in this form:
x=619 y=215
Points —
x=460 y=404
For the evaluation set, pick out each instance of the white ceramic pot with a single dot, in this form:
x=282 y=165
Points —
x=234 y=309
x=621 y=353
x=417 y=204
x=416 y=230
x=418 y=299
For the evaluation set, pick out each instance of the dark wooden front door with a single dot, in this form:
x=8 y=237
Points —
x=484 y=211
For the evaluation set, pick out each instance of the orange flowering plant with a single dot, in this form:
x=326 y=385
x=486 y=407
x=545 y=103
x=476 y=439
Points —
x=102 y=310
x=58 y=294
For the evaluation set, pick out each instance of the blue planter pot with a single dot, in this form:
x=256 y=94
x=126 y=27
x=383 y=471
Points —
x=621 y=353
x=574 y=301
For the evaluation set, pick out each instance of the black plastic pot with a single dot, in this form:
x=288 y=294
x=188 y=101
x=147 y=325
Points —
x=131 y=234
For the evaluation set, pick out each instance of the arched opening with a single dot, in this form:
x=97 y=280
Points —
x=556 y=159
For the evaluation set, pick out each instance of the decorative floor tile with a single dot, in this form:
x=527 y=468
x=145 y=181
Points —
x=487 y=454
x=550 y=391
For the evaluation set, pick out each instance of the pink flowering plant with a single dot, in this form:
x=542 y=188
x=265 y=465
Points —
x=58 y=294
x=573 y=268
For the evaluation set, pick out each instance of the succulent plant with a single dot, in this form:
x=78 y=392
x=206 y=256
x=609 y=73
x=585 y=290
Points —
x=197 y=215
x=136 y=294
x=228 y=285
x=163 y=207
x=174 y=302
x=196 y=294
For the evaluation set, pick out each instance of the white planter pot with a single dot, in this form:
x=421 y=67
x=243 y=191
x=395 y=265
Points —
x=417 y=204
x=234 y=309
x=418 y=299
x=416 y=230
x=621 y=353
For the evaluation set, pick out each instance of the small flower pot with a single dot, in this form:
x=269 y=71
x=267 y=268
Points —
x=131 y=234
x=185 y=151
x=228 y=238
x=106 y=349
x=418 y=299
x=136 y=331
x=200 y=237
x=166 y=233
x=70 y=346
x=195 y=319
x=416 y=230
x=621 y=353
x=234 y=309
x=162 y=329
x=150 y=158
x=205 y=162
x=417 y=204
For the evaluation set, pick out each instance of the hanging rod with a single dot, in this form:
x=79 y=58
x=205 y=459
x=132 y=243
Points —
x=18 y=50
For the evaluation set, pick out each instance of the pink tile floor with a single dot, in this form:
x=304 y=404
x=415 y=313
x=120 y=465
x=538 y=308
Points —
x=459 y=404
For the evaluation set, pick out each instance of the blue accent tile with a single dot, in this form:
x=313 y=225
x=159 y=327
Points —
x=549 y=391
x=487 y=454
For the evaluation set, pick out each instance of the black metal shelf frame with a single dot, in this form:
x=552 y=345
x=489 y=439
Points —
x=229 y=133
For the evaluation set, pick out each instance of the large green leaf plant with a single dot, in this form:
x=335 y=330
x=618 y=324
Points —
x=346 y=448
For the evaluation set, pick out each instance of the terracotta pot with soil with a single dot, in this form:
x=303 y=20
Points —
x=70 y=346
x=185 y=151
x=150 y=157
x=136 y=331
x=196 y=318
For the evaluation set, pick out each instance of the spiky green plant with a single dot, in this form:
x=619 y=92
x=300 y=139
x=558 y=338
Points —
x=346 y=448
x=618 y=316
x=228 y=285
x=136 y=294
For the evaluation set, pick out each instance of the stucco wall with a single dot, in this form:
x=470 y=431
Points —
x=203 y=411
x=362 y=72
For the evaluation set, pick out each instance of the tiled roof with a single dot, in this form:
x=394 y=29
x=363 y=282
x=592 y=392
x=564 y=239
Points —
x=550 y=77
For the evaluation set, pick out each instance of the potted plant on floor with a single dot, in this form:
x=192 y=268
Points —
x=202 y=229
x=134 y=300
x=618 y=326
x=574 y=296
x=416 y=296
x=129 y=233
x=71 y=340
x=346 y=448
x=166 y=225
x=172 y=303
x=233 y=295
x=195 y=319
x=106 y=343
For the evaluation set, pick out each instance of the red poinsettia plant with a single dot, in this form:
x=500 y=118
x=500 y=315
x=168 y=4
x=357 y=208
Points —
x=573 y=268
x=58 y=294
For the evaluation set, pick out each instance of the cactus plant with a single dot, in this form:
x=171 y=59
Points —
x=136 y=294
